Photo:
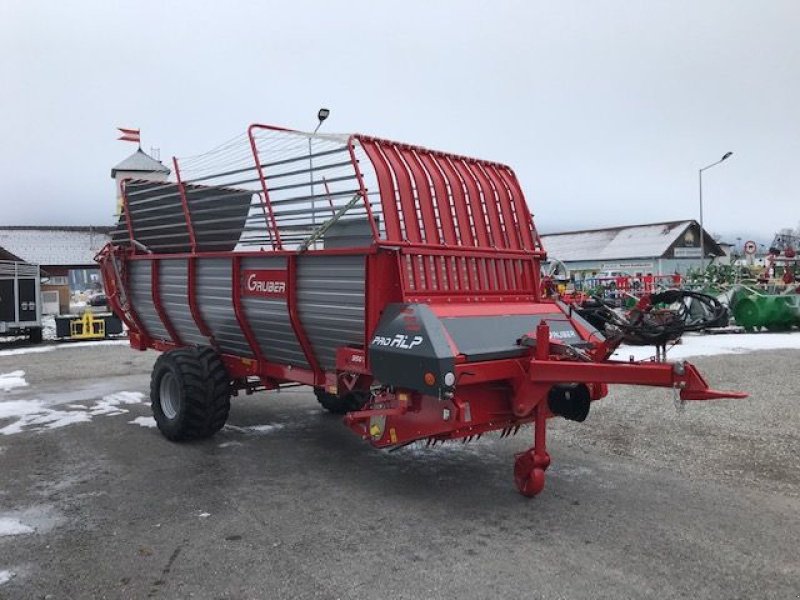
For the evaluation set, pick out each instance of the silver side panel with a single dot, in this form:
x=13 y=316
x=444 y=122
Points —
x=174 y=293
x=269 y=320
x=330 y=295
x=142 y=299
x=215 y=302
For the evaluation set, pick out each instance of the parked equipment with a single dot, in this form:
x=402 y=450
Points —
x=20 y=300
x=88 y=326
x=776 y=312
x=402 y=283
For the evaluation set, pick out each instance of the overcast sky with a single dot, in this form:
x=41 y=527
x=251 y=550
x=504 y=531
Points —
x=605 y=109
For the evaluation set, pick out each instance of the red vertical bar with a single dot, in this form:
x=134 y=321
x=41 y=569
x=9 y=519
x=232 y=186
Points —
x=510 y=223
x=485 y=270
x=498 y=275
x=474 y=198
x=509 y=268
x=520 y=208
x=155 y=291
x=459 y=201
x=444 y=271
x=455 y=276
x=266 y=205
x=475 y=275
x=406 y=193
x=238 y=309
x=424 y=197
x=497 y=234
x=442 y=199
x=126 y=276
x=194 y=309
x=185 y=205
x=433 y=276
x=463 y=274
x=294 y=318
x=391 y=215
x=362 y=188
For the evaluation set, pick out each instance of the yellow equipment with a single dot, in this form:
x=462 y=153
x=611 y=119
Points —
x=87 y=327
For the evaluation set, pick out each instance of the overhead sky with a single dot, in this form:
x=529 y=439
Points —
x=605 y=109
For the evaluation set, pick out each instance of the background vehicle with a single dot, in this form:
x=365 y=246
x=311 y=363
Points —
x=20 y=300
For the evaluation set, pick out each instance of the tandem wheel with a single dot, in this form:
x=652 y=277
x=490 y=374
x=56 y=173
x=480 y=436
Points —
x=190 y=393
x=340 y=405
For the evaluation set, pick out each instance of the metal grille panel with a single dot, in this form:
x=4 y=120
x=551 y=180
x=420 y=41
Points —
x=214 y=299
x=142 y=299
x=330 y=294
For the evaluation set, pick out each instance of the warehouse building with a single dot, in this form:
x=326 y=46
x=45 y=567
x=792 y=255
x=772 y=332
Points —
x=65 y=255
x=655 y=248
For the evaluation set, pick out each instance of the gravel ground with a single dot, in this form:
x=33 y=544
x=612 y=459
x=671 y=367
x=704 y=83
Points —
x=641 y=500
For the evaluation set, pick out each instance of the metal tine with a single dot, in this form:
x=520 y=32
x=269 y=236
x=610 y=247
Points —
x=172 y=225
x=219 y=220
x=198 y=203
x=293 y=215
x=139 y=211
x=151 y=199
x=237 y=231
x=138 y=219
x=516 y=430
x=270 y=164
x=324 y=167
x=306 y=156
x=291 y=186
x=223 y=174
x=223 y=207
x=159 y=236
x=173 y=245
x=282 y=201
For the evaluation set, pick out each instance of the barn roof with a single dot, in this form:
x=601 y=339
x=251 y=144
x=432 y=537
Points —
x=630 y=241
x=140 y=162
x=55 y=245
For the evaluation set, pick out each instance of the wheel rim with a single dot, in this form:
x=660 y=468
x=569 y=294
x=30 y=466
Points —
x=169 y=395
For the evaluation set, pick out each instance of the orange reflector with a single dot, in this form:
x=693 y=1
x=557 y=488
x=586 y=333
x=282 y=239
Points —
x=430 y=379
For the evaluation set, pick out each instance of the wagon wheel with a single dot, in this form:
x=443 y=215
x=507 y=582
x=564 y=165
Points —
x=190 y=393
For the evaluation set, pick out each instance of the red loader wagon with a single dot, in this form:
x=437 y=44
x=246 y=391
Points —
x=401 y=283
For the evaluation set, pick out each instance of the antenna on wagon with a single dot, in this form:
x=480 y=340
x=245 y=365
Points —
x=322 y=114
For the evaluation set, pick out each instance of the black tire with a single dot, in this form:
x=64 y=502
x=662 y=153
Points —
x=190 y=393
x=35 y=335
x=340 y=405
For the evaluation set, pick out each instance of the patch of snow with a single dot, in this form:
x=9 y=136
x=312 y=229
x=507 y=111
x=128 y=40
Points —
x=62 y=346
x=263 y=428
x=68 y=345
x=712 y=345
x=35 y=415
x=31 y=350
x=144 y=421
x=6 y=576
x=109 y=405
x=10 y=526
x=14 y=379
x=77 y=406
x=229 y=444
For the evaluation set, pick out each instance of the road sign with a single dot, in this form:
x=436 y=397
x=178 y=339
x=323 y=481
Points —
x=750 y=247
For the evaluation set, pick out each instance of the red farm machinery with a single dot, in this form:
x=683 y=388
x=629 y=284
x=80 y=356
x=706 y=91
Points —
x=401 y=283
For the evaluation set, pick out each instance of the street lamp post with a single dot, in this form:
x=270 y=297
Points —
x=321 y=116
x=725 y=156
